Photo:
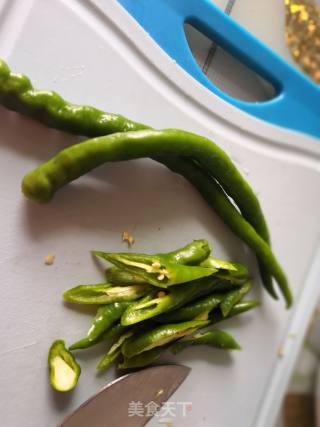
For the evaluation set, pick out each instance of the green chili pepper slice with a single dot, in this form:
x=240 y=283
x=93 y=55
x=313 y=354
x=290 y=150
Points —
x=84 y=343
x=141 y=360
x=241 y=307
x=233 y=297
x=104 y=293
x=159 y=336
x=160 y=302
x=215 y=338
x=156 y=269
x=192 y=310
x=231 y=271
x=114 y=352
x=106 y=316
x=191 y=254
x=63 y=367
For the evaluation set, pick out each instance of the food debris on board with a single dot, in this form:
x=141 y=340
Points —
x=127 y=237
x=49 y=259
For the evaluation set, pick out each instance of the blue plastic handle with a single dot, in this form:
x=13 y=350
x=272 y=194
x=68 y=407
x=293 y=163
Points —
x=297 y=103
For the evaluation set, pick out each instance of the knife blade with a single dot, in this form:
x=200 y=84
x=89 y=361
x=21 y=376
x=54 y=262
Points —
x=110 y=406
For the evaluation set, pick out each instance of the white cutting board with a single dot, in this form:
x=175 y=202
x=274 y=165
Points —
x=76 y=49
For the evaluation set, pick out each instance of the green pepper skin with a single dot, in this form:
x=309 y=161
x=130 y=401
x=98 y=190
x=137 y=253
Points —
x=216 y=315
x=141 y=360
x=153 y=305
x=191 y=254
x=159 y=336
x=233 y=272
x=118 y=276
x=214 y=338
x=114 y=352
x=193 y=309
x=157 y=270
x=104 y=293
x=59 y=357
x=106 y=316
x=18 y=94
x=233 y=297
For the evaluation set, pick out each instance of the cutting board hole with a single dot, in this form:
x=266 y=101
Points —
x=227 y=72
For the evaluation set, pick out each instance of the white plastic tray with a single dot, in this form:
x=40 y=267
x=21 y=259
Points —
x=100 y=57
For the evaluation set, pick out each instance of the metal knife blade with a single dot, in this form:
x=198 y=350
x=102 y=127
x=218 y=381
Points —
x=110 y=406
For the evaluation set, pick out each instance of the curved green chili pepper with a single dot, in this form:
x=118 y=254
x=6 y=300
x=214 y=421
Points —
x=233 y=297
x=41 y=183
x=78 y=159
x=141 y=360
x=106 y=316
x=158 y=270
x=104 y=293
x=156 y=304
x=74 y=161
x=214 y=338
x=191 y=254
x=63 y=367
x=159 y=336
x=18 y=94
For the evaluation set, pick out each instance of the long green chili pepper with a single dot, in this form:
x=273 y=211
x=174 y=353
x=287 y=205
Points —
x=233 y=297
x=158 y=270
x=72 y=162
x=160 y=302
x=18 y=94
x=78 y=159
x=106 y=316
x=215 y=197
x=104 y=293
x=63 y=367
x=142 y=359
x=159 y=336
x=215 y=338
